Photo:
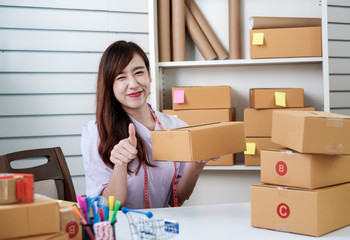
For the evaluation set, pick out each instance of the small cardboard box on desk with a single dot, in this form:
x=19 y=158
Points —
x=53 y=236
x=311 y=212
x=69 y=221
x=29 y=219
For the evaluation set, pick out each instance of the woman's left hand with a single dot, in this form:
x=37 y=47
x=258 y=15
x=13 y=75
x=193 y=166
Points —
x=207 y=160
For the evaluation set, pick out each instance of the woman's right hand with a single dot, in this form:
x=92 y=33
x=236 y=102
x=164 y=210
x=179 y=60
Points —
x=125 y=150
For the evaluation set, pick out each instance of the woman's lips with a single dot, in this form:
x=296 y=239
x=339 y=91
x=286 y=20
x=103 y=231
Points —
x=135 y=94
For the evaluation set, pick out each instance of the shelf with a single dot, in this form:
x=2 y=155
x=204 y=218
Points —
x=234 y=167
x=231 y=62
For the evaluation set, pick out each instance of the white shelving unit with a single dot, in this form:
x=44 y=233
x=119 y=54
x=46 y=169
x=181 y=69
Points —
x=241 y=74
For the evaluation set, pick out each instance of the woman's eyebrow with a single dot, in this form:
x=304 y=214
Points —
x=135 y=68
x=139 y=67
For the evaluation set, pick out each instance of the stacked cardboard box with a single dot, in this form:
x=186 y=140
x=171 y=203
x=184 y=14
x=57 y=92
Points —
x=306 y=186
x=258 y=118
x=30 y=219
x=202 y=105
x=276 y=37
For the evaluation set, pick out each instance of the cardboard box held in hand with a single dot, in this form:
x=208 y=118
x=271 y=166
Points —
x=199 y=142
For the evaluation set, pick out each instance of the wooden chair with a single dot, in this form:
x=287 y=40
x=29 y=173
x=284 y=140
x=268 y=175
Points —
x=54 y=173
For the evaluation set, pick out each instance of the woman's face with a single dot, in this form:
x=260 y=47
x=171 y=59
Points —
x=132 y=86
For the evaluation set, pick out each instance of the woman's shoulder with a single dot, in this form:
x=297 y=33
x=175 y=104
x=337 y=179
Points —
x=90 y=128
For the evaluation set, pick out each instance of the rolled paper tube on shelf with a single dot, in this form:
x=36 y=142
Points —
x=198 y=37
x=178 y=30
x=164 y=41
x=282 y=22
x=234 y=17
x=207 y=30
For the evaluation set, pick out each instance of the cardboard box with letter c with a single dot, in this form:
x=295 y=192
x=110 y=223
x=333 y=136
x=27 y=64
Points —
x=309 y=212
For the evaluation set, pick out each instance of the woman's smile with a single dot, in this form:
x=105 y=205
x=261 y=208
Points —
x=135 y=94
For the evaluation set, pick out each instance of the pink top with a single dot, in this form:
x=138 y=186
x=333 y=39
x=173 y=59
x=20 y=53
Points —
x=159 y=178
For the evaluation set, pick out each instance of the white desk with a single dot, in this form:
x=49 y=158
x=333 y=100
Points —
x=222 y=221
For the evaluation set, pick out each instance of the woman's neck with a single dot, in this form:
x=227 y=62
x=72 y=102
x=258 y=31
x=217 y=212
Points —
x=143 y=116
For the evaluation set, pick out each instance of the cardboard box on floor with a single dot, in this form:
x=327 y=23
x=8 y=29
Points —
x=258 y=122
x=260 y=98
x=21 y=220
x=202 y=97
x=200 y=116
x=252 y=155
x=310 y=212
x=290 y=168
x=312 y=131
x=286 y=42
x=199 y=142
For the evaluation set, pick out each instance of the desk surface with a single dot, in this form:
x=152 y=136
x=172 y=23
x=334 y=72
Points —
x=222 y=221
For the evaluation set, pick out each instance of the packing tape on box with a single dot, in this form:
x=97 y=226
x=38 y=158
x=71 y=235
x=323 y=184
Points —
x=16 y=188
x=334 y=122
x=282 y=191
x=335 y=148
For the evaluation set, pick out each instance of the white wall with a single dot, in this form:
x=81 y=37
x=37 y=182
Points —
x=49 y=58
x=339 y=55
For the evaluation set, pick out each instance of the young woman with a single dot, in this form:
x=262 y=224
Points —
x=116 y=146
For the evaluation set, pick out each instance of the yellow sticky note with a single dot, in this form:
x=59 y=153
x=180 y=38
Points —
x=250 y=148
x=258 y=39
x=280 y=99
x=174 y=116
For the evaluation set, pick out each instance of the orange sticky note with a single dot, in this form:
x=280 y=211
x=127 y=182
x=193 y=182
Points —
x=179 y=96
x=280 y=99
x=258 y=39
x=250 y=148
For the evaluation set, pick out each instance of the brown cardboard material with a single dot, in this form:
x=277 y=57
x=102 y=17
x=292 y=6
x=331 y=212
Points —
x=199 y=142
x=203 y=97
x=226 y=160
x=198 y=37
x=287 y=42
x=70 y=223
x=194 y=117
x=234 y=31
x=178 y=30
x=312 y=131
x=54 y=236
x=310 y=212
x=260 y=144
x=21 y=220
x=258 y=122
x=260 y=98
x=290 y=168
x=282 y=22
x=207 y=30
x=164 y=28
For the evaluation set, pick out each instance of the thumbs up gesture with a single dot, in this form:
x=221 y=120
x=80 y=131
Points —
x=125 y=150
x=132 y=135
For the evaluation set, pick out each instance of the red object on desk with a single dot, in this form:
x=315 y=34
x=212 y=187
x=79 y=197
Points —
x=24 y=186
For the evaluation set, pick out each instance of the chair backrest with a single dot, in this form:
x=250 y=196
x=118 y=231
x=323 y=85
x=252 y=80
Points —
x=55 y=169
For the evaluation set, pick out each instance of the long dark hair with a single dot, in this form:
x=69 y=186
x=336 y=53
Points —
x=112 y=120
